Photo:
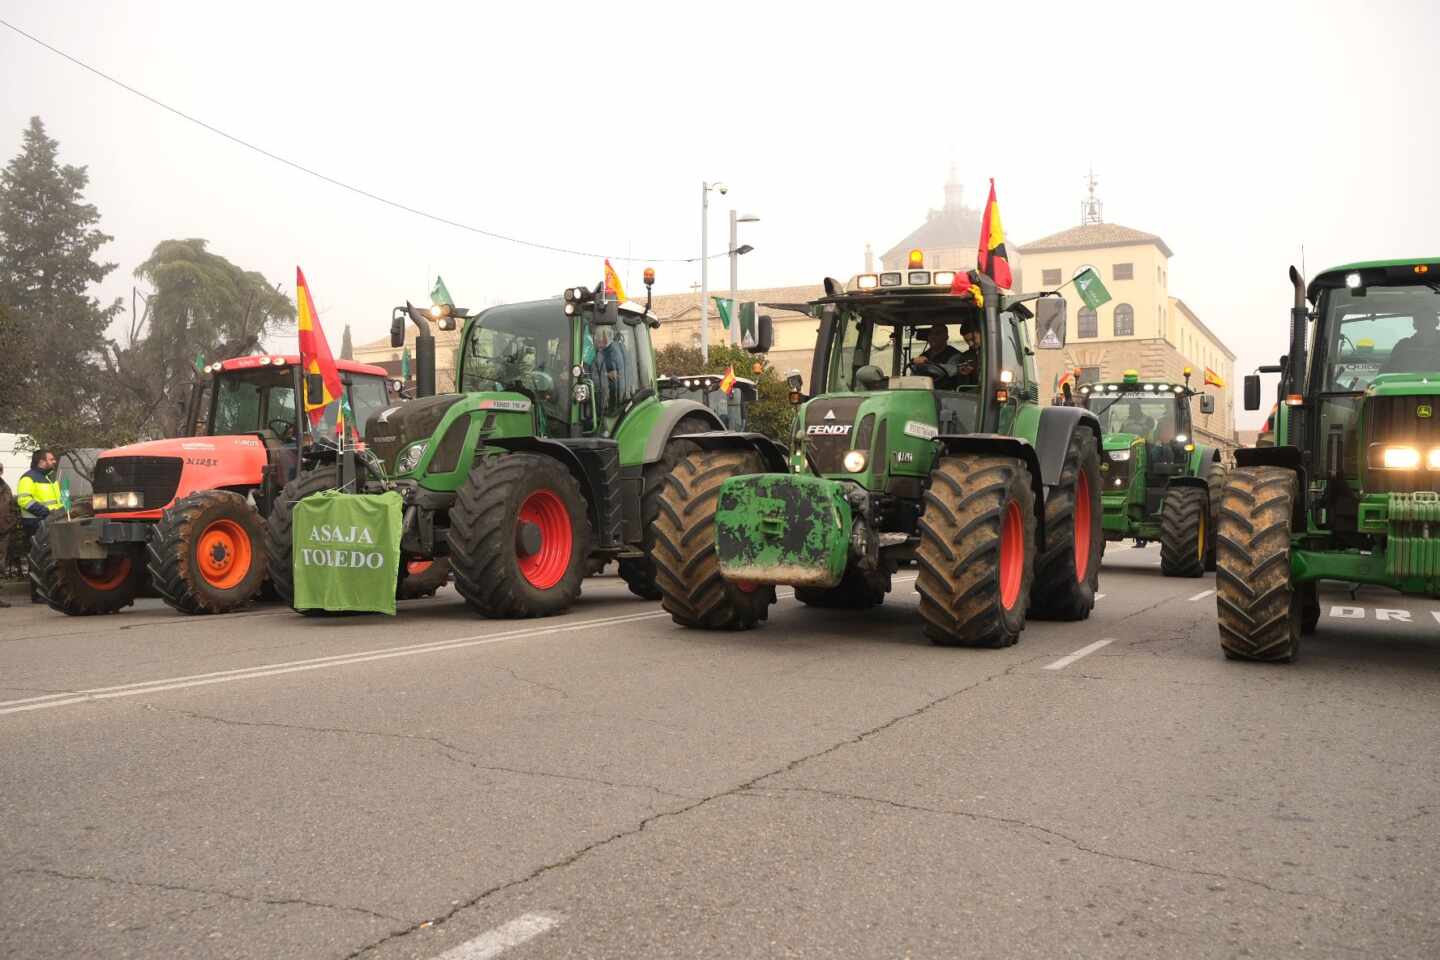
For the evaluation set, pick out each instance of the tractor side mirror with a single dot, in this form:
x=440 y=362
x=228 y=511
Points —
x=1207 y=403
x=1050 y=323
x=1252 y=391
x=314 y=387
x=397 y=328
x=764 y=335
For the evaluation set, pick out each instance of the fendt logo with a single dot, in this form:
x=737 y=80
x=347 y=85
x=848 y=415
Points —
x=827 y=429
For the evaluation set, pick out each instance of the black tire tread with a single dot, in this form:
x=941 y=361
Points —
x=1184 y=518
x=1059 y=594
x=169 y=551
x=1257 y=605
x=639 y=572
x=56 y=582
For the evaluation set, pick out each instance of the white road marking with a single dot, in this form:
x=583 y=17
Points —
x=1348 y=613
x=1436 y=615
x=1064 y=662
x=1399 y=616
x=492 y=943
x=1099 y=596
x=1200 y=596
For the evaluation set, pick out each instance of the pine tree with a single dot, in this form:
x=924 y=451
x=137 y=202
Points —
x=48 y=242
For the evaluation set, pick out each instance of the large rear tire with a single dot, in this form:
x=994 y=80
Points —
x=519 y=537
x=977 y=551
x=1215 y=484
x=279 y=549
x=686 y=564
x=1259 y=607
x=1067 y=574
x=83 y=588
x=207 y=553
x=857 y=590
x=639 y=572
x=1184 y=531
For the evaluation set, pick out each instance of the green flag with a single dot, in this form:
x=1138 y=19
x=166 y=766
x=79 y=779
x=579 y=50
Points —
x=724 y=306
x=65 y=493
x=200 y=362
x=346 y=550
x=439 y=294
x=1091 y=290
x=405 y=364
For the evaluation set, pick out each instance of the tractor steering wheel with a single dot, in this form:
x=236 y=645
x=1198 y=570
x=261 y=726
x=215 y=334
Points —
x=285 y=429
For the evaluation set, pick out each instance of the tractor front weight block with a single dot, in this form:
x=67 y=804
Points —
x=776 y=528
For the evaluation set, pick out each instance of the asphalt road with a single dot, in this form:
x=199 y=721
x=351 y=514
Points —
x=606 y=784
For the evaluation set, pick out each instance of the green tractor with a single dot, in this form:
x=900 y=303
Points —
x=911 y=452
x=732 y=406
x=1159 y=483
x=547 y=462
x=1350 y=490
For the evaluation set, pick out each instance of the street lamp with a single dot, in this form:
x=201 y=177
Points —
x=705 y=189
x=735 y=253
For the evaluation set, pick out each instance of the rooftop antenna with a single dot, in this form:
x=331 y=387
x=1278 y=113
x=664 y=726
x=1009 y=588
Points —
x=1091 y=208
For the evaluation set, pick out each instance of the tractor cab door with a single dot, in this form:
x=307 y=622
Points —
x=620 y=365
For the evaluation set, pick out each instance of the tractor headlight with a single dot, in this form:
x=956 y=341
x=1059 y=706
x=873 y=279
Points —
x=1400 y=458
x=409 y=458
x=1121 y=455
x=1434 y=460
x=855 y=460
x=127 y=500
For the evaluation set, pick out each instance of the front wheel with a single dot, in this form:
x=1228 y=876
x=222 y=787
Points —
x=207 y=553
x=1260 y=609
x=1184 y=531
x=977 y=551
x=421 y=578
x=519 y=537
x=857 y=590
x=82 y=588
x=1067 y=574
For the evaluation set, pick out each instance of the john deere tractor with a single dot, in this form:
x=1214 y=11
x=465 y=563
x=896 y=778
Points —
x=732 y=406
x=185 y=516
x=547 y=462
x=1159 y=483
x=1350 y=491
x=912 y=450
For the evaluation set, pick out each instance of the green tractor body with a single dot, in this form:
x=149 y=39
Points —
x=952 y=466
x=543 y=465
x=1151 y=464
x=1350 y=490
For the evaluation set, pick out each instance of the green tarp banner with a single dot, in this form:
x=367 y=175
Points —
x=347 y=552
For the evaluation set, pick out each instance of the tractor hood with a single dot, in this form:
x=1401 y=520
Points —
x=1404 y=385
x=394 y=428
x=892 y=429
x=1120 y=441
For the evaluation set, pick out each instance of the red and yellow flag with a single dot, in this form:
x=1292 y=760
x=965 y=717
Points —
x=962 y=286
x=992 y=259
x=727 y=382
x=315 y=355
x=1213 y=379
x=613 y=289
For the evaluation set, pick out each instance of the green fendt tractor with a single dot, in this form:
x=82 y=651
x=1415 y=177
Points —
x=1159 y=483
x=1351 y=489
x=547 y=461
x=911 y=451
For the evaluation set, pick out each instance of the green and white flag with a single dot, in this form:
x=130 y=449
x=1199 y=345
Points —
x=405 y=365
x=1091 y=290
x=346 y=550
x=725 y=306
x=439 y=294
x=200 y=362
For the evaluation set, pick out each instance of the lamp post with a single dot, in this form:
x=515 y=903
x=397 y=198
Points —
x=735 y=252
x=705 y=189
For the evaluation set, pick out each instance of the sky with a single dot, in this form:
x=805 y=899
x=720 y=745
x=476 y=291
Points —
x=1238 y=132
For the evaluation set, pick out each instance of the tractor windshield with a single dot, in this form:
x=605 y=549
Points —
x=875 y=343
x=1388 y=330
x=1155 y=417
x=263 y=399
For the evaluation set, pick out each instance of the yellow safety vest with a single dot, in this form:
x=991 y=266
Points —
x=36 y=487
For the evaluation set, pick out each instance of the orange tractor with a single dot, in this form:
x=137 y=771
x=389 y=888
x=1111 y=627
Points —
x=184 y=517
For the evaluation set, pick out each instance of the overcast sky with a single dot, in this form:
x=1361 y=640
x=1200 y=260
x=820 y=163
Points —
x=1236 y=132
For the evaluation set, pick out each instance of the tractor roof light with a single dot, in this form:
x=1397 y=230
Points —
x=917 y=259
x=1401 y=458
x=1352 y=280
x=264 y=361
x=867 y=281
x=1006 y=376
x=890 y=279
x=1085 y=391
x=1294 y=400
x=1179 y=389
x=1132 y=376
x=919 y=278
x=943 y=278
x=1149 y=388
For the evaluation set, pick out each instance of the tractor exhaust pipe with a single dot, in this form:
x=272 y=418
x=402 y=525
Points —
x=1299 y=320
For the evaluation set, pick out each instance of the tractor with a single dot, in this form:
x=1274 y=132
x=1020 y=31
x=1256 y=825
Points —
x=1350 y=490
x=731 y=407
x=184 y=517
x=909 y=451
x=547 y=463
x=1159 y=484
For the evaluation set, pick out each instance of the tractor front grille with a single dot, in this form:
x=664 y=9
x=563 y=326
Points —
x=1399 y=420
x=156 y=478
x=1116 y=474
x=828 y=425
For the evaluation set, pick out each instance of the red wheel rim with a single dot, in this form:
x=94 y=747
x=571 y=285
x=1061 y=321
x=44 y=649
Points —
x=545 y=567
x=746 y=586
x=1012 y=555
x=1082 y=525
x=416 y=567
x=223 y=554
x=109 y=573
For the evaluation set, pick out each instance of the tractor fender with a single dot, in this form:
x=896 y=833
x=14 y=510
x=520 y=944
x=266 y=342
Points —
x=1202 y=455
x=1188 y=482
x=1052 y=438
x=565 y=455
x=1002 y=445
x=770 y=452
x=671 y=414
x=1287 y=457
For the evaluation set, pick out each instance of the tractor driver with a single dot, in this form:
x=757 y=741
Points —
x=1137 y=422
x=1420 y=352
x=948 y=367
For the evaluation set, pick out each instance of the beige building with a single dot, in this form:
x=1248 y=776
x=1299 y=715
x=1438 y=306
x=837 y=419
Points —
x=1143 y=327
x=380 y=353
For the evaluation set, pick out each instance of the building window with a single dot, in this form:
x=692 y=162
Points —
x=1089 y=324
x=1123 y=271
x=1124 y=320
x=1089 y=375
x=1050 y=279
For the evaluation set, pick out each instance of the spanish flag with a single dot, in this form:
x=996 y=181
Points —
x=992 y=258
x=962 y=286
x=727 y=382
x=613 y=289
x=1213 y=379
x=315 y=356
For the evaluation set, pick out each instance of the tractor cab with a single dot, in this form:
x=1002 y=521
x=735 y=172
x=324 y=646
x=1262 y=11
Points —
x=1155 y=415
x=731 y=406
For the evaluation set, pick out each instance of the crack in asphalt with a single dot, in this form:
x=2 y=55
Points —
x=535 y=683
x=206 y=891
x=645 y=823
x=447 y=748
